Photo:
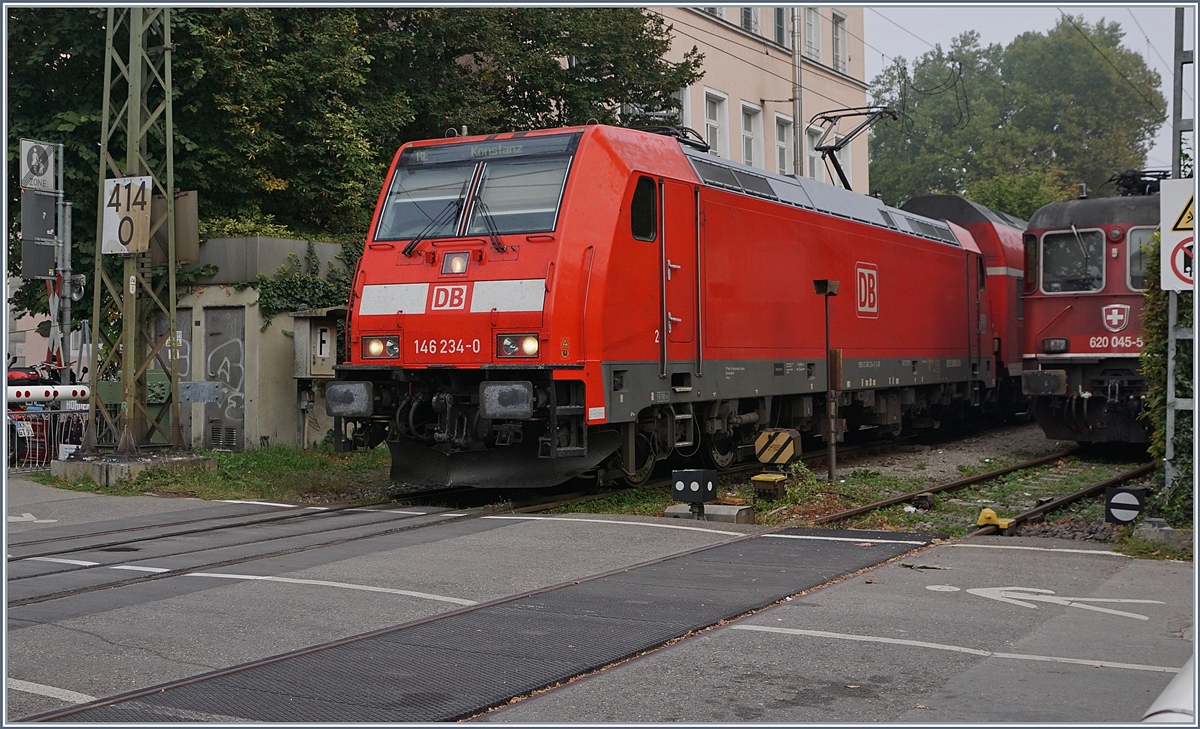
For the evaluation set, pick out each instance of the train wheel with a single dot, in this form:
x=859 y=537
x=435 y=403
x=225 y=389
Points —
x=719 y=453
x=645 y=456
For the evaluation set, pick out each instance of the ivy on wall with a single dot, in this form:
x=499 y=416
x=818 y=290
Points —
x=295 y=286
x=1172 y=501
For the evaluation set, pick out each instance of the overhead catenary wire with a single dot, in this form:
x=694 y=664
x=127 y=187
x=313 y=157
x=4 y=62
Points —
x=1150 y=44
x=767 y=71
x=1108 y=60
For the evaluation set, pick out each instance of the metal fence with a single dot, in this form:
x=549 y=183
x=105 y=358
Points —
x=36 y=437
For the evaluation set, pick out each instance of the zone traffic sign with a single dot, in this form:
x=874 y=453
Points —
x=37 y=166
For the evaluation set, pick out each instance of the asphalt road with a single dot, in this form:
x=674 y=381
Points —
x=999 y=629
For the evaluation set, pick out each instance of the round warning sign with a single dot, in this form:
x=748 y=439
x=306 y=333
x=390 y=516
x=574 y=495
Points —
x=1181 y=260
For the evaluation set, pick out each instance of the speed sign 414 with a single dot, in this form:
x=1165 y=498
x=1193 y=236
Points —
x=127 y=215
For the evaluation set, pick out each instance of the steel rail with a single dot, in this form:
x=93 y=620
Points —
x=182 y=571
x=1069 y=498
x=961 y=483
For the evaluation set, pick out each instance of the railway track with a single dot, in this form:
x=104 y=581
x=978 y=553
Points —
x=244 y=538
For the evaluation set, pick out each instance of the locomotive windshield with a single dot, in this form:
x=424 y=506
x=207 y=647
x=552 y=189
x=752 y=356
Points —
x=1073 y=260
x=475 y=188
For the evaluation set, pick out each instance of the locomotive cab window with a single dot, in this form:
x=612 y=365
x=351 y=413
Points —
x=1031 y=260
x=642 y=213
x=518 y=196
x=1073 y=260
x=474 y=188
x=1136 y=256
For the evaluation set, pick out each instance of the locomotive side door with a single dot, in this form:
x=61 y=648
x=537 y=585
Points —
x=679 y=273
x=975 y=323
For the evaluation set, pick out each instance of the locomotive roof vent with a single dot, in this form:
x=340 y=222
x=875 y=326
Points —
x=810 y=194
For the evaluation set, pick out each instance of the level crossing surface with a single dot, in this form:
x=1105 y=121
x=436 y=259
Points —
x=446 y=621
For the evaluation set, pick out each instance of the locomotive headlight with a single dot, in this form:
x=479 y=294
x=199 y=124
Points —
x=517 y=345
x=455 y=262
x=1056 y=345
x=379 y=347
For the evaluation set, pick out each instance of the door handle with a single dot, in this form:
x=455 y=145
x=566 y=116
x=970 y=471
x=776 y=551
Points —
x=672 y=320
x=669 y=267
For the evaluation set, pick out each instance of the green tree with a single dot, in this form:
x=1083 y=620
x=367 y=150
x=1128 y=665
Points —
x=287 y=118
x=1020 y=194
x=1067 y=106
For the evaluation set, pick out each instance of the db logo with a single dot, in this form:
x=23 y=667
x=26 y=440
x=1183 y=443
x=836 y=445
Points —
x=446 y=298
x=866 y=278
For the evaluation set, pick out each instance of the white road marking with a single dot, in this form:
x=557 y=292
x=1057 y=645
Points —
x=135 y=568
x=390 y=511
x=30 y=517
x=1018 y=596
x=956 y=649
x=451 y=514
x=1042 y=549
x=71 y=697
x=856 y=540
x=260 y=503
x=58 y=560
x=344 y=585
x=624 y=523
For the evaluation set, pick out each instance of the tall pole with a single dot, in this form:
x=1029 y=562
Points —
x=799 y=132
x=1179 y=125
x=830 y=402
x=131 y=303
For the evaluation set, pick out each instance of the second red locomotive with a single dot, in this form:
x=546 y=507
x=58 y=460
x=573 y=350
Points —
x=534 y=306
x=1084 y=283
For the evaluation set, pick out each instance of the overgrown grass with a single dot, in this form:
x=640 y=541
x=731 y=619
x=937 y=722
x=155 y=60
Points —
x=278 y=472
x=1145 y=549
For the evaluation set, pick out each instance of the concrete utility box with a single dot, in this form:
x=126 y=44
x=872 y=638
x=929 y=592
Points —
x=266 y=391
x=315 y=340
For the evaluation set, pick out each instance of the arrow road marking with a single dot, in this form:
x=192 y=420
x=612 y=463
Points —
x=1020 y=596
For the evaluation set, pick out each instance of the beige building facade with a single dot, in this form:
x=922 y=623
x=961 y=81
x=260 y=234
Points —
x=744 y=106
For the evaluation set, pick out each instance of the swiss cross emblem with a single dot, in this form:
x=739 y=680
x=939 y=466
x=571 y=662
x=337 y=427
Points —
x=1115 y=317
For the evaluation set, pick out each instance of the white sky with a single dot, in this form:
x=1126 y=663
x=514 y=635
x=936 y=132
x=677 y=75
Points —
x=910 y=31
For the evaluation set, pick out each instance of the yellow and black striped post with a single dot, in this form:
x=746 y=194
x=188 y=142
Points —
x=777 y=446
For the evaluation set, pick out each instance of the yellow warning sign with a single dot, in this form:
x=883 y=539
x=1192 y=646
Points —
x=1186 y=221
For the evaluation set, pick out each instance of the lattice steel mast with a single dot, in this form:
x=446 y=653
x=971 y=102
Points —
x=138 y=125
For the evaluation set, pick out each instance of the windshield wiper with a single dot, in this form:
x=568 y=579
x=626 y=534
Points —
x=449 y=213
x=492 y=231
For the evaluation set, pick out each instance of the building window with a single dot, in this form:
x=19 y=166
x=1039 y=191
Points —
x=814 y=157
x=781 y=26
x=714 y=110
x=715 y=11
x=682 y=97
x=843 y=158
x=749 y=135
x=747 y=20
x=841 y=52
x=783 y=146
x=812 y=33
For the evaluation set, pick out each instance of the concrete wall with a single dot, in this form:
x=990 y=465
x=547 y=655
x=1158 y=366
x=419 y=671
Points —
x=748 y=68
x=240 y=260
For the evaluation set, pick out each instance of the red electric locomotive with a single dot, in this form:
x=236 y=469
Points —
x=999 y=237
x=534 y=306
x=1084 y=278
